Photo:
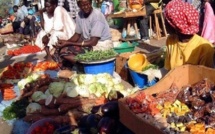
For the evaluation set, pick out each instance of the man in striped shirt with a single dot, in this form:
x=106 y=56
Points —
x=71 y=6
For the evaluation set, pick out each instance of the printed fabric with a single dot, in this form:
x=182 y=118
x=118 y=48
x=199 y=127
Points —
x=73 y=7
x=182 y=16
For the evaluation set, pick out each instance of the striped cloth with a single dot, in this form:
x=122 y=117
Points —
x=73 y=7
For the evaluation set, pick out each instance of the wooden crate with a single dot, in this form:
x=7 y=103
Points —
x=180 y=76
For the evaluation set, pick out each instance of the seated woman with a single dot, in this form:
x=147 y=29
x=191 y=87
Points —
x=92 y=33
x=56 y=24
x=184 y=46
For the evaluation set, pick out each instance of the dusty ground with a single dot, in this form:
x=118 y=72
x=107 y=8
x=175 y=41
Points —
x=6 y=60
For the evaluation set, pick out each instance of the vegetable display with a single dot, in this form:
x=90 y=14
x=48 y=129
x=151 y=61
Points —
x=186 y=110
x=21 y=70
x=97 y=55
x=67 y=100
x=16 y=110
x=24 y=50
x=7 y=91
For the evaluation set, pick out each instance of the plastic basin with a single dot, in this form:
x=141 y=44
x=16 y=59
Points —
x=140 y=80
x=126 y=47
x=106 y=66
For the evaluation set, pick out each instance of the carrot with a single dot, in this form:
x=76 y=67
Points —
x=8 y=92
x=101 y=100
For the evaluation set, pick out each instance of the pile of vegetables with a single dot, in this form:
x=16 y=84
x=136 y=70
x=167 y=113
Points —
x=99 y=85
x=97 y=55
x=24 y=50
x=7 y=91
x=56 y=97
x=16 y=110
x=103 y=119
x=186 y=110
x=21 y=70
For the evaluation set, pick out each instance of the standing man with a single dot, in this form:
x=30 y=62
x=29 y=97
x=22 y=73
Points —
x=71 y=6
x=150 y=6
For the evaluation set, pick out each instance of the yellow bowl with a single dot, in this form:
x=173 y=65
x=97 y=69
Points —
x=136 y=6
x=137 y=62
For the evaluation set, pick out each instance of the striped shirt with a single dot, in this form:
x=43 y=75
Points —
x=73 y=7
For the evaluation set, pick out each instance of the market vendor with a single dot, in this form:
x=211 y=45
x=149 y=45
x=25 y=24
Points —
x=92 y=33
x=56 y=24
x=184 y=46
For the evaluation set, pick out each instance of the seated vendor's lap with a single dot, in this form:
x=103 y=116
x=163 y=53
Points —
x=103 y=45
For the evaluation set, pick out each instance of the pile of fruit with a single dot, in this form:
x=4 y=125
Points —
x=187 y=110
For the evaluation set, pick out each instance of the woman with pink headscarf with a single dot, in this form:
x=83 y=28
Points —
x=208 y=30
x=184 y=46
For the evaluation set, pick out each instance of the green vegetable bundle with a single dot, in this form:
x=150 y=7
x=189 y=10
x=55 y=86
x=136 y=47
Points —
x=16 y=110
x=97 y=55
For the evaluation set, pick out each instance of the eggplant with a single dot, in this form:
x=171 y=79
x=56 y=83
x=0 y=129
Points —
x=83 y=121
x=92 y=123
x=65 y=129
x=111 y=109
x=83 y=131
x=107 y=125
x=95 y=109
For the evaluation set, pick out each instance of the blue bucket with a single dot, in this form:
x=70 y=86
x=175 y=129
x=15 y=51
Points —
x=141 y=80
x=96 y=68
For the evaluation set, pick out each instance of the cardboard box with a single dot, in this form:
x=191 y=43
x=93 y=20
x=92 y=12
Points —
x=121 y=60
x=181 y=76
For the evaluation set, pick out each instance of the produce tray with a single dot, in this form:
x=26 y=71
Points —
x=180 y=76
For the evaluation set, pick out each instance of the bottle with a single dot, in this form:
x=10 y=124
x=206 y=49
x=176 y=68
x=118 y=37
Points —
x=124 y=33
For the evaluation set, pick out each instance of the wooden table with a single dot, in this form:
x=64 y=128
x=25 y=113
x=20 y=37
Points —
x=129 y=18
x=128 y=14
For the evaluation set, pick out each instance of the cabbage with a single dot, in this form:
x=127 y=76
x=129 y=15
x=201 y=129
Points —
x=37 y=96
x=33 y=107
x=56 y=88
x=89 y=79
x=70 y=89
x=97 y=88
x=83 y=90
x=81 y=78
x=129 y=92
x=119 y=87
x=75 y=81
x=47 y=93
x=33 y=77
x=21 y=84
x=112 y=95
x=105 y=78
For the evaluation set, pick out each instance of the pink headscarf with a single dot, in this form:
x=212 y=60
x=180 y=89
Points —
x=208 y=30
x=182 y=16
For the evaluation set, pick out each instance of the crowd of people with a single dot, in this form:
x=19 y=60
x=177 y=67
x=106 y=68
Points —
x=69 y=30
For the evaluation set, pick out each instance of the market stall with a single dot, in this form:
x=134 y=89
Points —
x=181 y=102
x=38 y=92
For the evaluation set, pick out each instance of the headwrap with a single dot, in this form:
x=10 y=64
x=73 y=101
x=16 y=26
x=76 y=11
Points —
x=182 y=16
